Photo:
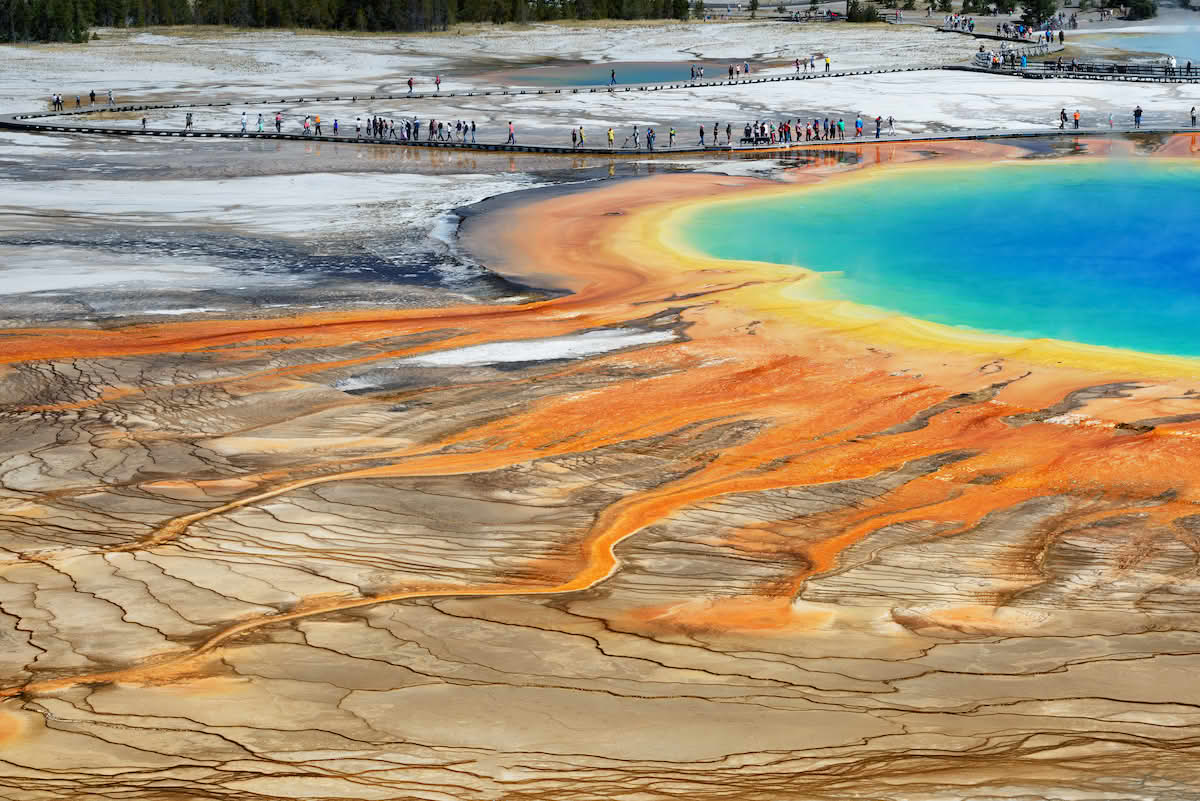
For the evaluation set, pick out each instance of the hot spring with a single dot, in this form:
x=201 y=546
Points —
x=1094 y=251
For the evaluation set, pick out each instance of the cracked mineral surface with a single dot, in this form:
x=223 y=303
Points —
x=331 y=509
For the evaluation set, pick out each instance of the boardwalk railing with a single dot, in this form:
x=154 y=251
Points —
x=1109 y=68
x=1089 y=71
x=1012 y=55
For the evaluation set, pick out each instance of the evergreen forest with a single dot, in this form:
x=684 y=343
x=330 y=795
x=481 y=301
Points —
x=70 y=20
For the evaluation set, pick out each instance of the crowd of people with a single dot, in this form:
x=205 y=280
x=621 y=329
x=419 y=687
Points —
x=1005 y=57
x=816 y=130
x=959 y=22
x=58 y=103
x=809 y=64
x=373 y=127
x=1018 y=31
x=1013 y=30
x=758 y=132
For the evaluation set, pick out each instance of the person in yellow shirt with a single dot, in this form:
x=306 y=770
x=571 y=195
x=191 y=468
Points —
x=827 y=63
x=610 y=138
x=1076 y=118
x=317 y=125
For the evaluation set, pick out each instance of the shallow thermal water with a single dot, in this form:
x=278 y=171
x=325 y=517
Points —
x=1097 y=252
x=1184 y=45
x=627 y=72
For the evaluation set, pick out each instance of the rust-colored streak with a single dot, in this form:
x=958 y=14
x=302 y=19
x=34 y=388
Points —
x=822 y=402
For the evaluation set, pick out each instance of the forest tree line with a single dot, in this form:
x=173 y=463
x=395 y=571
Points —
x=70 y=20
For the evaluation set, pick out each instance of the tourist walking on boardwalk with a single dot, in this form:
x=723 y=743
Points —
x=841 y=126
x=891 y=124
x=827 y=63
x=76 y=101
x=278 y=122
x=878 y=125
x=671 y=136
x=650 y=138
x=473 y=132
x=858 y=128
x=1062 y=118
x=110 y=97
x=243 y=122
x=437 y=83
x=1077 y=119
x=1193 y=116
x=574 y=136
x=410 y=85
x=1137 y=117
x=612 y=78
x=701 y=136
x=335 y=126
x=187 y=122
x=143 y=123
x=317 y=125
x=610 y=138
x=728 y=134
x=512 y=134
x=92 y=96
x=812 y=63
x=260 y=123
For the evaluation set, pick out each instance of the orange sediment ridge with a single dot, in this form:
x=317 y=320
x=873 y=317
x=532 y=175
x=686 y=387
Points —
x=820 y=381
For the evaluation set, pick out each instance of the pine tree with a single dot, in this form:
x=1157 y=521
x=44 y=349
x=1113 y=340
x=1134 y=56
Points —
x=1035 y=12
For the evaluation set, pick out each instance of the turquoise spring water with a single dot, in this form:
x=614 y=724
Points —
x=1182 y=45
x=1101 y=252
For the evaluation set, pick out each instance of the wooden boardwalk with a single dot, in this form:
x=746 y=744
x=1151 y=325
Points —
x=61 y=122
x=16 y=123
